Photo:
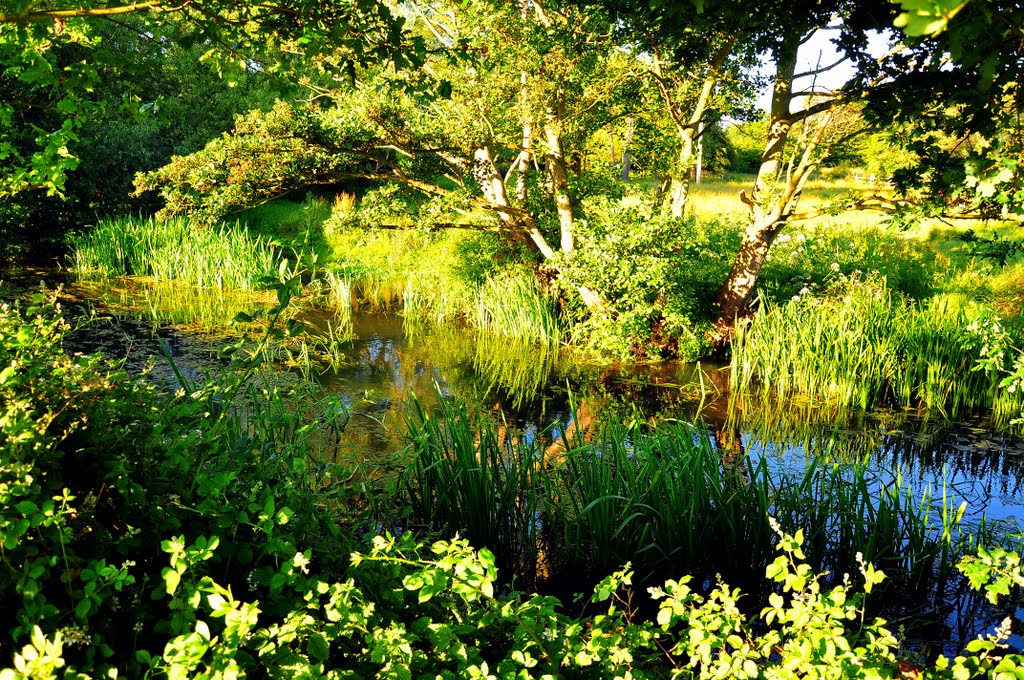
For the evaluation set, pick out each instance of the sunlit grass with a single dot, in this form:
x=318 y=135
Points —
x=861 y=347
x=513 y=306
x=222 y=257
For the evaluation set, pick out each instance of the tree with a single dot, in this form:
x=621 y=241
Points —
x=699 y=62
x=528 y=82
x=53 y=57
x=956 y=93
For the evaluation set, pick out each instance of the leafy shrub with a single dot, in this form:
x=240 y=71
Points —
x=658 y=275
x=813 y=258
x=98 y=469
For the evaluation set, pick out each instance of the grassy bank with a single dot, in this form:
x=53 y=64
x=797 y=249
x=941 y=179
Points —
x=445 y=278
x=859 y=344
x=909 y=346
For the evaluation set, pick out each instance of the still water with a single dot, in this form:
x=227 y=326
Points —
x=539 y=394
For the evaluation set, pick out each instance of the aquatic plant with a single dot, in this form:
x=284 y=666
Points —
x=667 y=500
x=222 y=257
x=462 y=476
x=514 y=306
x=858 y=345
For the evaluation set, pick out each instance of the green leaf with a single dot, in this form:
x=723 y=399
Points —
x=318 y=648
x=171 y=580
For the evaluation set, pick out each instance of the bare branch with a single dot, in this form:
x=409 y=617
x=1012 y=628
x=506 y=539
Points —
x=821 y=69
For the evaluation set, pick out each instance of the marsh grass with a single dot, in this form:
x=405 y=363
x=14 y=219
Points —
x=339 y=294
x=222 y=257
x=667 y=500
x=513 y=306
x=861 y=347
x=464 y=477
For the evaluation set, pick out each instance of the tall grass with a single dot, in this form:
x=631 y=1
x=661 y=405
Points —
x=222 y=257
x=515 y=307
x=861 y=347
x=668 y=501
x=339 y=294
x=465 y=478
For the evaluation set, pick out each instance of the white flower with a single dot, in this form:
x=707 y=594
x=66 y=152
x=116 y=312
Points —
x=805 y=290
x=796 y=298
x=835 y=266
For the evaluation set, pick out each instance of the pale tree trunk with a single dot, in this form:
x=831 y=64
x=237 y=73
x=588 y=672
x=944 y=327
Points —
x=627 y=159
x=699 y=167
x=688 y=121
x=524 y=163
x=775 y=193
x=680 y=186
x=559 y=174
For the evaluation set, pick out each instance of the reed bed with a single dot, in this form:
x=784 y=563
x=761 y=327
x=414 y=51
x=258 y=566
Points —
x=667 y=500
x=513 y=306
x=223 y=257
x=861 y=347
x=339 y=295
x=464 y=477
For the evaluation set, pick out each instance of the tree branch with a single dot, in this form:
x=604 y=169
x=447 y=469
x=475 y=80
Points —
x=50 y=14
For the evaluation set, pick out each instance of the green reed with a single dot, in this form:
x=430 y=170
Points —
x=463 y=477
x=223 y=257
x=861 y=347
x=515 y=307
x=339 y=294
x=669 y=501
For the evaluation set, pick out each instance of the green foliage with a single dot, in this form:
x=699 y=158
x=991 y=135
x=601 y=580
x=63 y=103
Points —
x=147 y=534
x=815 y=257
x=176 y=249
x=97 y=469
x=653 y=272
x=54 y=59
x=857 y=344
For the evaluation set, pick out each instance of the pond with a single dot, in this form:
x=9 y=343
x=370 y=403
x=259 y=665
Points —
x=538 y=394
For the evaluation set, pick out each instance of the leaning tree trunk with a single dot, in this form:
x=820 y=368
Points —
x=735 y=295
x=768 y=207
